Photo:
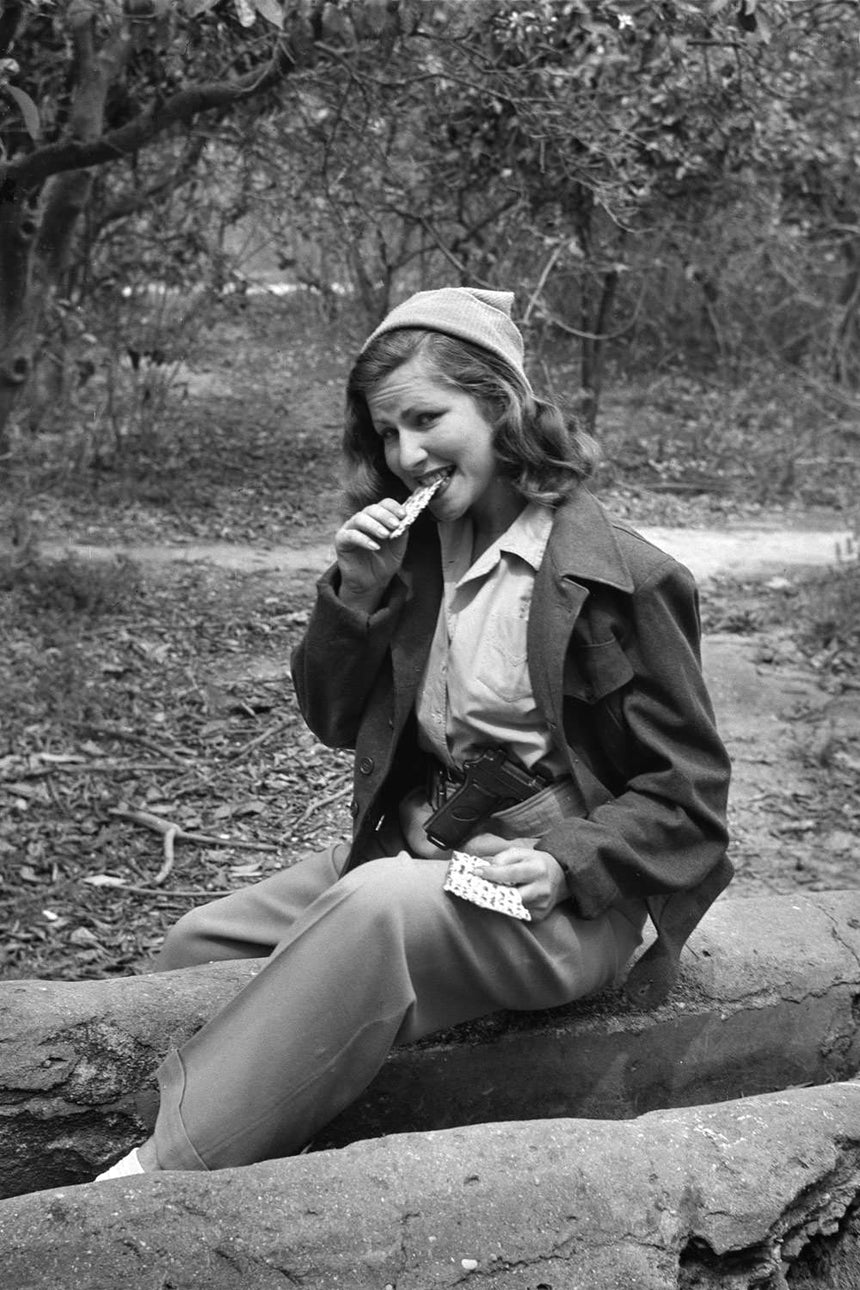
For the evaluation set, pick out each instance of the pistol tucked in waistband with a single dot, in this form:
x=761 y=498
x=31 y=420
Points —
x=441 y=780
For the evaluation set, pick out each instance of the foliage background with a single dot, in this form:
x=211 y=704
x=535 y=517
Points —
x=671 y=189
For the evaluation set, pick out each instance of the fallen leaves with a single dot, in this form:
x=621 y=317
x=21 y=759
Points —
x=125 y=813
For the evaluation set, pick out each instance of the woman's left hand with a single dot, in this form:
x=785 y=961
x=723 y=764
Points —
x=537 y=875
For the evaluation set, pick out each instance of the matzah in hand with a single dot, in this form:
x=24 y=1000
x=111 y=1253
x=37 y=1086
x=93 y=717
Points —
x=463 y=880
x=415 y=504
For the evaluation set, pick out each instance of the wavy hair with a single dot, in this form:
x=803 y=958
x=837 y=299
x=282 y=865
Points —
x=543 y=453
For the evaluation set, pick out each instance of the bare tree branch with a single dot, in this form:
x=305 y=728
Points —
x=30 y=170
x=11 y=14
x=172 y=177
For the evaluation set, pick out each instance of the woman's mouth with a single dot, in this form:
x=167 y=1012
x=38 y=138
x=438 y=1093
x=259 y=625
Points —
x=430 y=484
x=444 y=474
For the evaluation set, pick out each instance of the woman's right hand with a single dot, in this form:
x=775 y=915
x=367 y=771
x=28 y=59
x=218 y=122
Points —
x=367 y=558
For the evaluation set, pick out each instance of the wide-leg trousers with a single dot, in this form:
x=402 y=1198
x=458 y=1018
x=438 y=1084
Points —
x=357 y=963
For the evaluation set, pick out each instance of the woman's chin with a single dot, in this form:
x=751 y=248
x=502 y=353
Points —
x=444 y=503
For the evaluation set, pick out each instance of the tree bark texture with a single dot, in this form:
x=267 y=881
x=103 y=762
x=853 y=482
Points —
x=17 y=232
x=30 y=279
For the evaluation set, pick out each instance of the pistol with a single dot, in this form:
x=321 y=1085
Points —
x=491 y=782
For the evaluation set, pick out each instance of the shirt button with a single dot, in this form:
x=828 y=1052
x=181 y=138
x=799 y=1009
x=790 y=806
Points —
x=366 y=765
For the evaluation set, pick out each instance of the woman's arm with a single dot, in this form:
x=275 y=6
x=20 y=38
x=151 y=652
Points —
x=358 y=601
x=666 y=830
x=336 y=663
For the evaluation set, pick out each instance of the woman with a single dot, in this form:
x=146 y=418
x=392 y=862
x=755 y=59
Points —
x=513 y=627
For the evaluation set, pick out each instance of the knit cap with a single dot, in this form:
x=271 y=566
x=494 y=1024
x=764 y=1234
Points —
x=469 y=313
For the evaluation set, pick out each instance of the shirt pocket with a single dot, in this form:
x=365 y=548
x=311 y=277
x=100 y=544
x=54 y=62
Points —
x=501 y=663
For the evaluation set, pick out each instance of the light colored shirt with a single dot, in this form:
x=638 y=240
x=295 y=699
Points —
x=476 y=689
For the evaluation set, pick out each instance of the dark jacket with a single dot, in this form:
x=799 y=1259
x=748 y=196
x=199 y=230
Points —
x=613 y=643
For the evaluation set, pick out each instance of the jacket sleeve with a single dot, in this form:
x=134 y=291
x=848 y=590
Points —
x=665 y=830
x=335 y=665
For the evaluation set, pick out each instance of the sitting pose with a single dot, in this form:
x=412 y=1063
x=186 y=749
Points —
x=519 y=677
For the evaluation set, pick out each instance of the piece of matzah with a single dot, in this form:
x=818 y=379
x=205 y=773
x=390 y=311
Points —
x=462 y=880
x=415 y=504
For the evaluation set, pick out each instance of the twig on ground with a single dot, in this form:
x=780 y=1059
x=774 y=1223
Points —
x=55 y=797
x=190 y=894
x=169 y=837
x=96 y=768
x=165 y=827
x=322 y=802
x=129 y=736
x=276 y=729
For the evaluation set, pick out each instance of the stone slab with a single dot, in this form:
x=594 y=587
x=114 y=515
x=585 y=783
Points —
x=769 y=997
x=735 y=1195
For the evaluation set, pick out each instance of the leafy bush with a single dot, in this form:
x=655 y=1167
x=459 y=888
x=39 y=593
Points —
x=55 y=603
x=831 y=611
x=70 y=588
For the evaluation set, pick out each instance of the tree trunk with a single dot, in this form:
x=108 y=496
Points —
x=844 y=363
x=598 y=344
x=17 y=331
x=35 y=254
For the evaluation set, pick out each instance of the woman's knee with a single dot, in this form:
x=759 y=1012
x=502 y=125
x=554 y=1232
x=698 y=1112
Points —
x=396 y=891
x=183 y=945
x=198 y=938
x=389 y=880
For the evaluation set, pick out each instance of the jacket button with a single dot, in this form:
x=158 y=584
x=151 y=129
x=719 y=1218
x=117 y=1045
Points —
x=366 y=765
x=353 y=808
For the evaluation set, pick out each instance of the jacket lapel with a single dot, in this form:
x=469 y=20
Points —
x=556 y=605
x=413 y=638
x=582 y=549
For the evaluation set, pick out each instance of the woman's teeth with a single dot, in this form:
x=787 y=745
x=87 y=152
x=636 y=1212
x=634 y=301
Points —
x=442 y=476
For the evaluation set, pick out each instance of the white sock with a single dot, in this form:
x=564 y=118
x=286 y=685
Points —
x=129 y=1164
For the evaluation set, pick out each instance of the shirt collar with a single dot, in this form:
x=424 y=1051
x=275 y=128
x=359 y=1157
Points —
x=526 y=537
x=529 y=534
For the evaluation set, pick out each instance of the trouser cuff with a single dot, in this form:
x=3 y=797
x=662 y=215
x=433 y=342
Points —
x=173 y=1147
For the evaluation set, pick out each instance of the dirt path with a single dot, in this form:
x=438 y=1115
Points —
x=745 y=551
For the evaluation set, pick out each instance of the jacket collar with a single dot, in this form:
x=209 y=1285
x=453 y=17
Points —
x=583 y=545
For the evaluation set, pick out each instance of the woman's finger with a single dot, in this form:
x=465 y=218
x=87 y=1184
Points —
x=385 y=515
x=356 y=540
x=376 y=522
x=509 y=871
x=486 y=845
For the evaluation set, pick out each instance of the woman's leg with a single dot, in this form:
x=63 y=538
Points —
x=249 y=923
x=383 y=956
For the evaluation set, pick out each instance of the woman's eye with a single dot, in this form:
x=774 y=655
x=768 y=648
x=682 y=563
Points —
x=425 y=418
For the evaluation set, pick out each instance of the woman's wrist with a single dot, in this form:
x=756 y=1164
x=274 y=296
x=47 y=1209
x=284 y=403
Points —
x=360 y=599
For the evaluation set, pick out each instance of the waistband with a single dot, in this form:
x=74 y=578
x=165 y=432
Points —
x=441 y=779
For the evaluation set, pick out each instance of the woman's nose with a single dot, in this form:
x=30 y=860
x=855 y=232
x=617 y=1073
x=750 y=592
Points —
x=411 y=451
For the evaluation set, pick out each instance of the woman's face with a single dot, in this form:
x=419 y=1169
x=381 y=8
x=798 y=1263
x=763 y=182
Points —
x=428 y=426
